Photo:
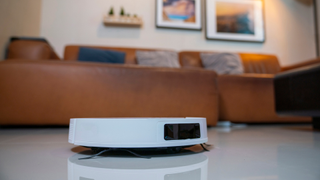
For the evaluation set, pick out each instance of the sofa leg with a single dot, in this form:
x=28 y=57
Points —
x=316 y=122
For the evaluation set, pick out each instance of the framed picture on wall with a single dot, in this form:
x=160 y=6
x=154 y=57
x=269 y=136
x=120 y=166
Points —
x=235 y=20
x=178 y=14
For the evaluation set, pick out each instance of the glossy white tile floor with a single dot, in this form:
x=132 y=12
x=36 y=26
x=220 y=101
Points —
x=246 y=153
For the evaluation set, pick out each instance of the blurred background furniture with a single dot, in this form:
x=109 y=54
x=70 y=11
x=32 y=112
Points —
x=45 y=92
x=297 y=93
x=36 y=90
x=30 y=48
x=249 y=98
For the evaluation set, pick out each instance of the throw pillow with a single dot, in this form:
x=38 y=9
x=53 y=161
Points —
x=158 y=58
x=100 y=55
x=222 y=63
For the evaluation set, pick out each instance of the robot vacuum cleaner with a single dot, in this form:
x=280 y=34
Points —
x=129 y=134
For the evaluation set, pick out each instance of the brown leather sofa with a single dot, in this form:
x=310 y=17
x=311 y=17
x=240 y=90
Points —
x=249 y=98
x=52 y=92
x=43 y=92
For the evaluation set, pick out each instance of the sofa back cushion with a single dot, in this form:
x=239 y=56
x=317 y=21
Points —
x=260 y=63
x=190 y=62
x=71 y=52
x=252 y=63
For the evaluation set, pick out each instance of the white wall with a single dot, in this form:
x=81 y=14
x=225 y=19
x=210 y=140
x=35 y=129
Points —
x=18 y=18
x=289 y=29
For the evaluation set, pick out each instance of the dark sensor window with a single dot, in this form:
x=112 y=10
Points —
x=181 y=131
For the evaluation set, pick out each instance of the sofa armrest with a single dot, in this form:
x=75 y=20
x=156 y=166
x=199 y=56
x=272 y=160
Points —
x=306 y=63
x=52 y=92
x=297 y=91
x=249 y=98
x=31 y=50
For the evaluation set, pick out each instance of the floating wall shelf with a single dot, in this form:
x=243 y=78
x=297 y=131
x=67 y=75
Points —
x=122 y=21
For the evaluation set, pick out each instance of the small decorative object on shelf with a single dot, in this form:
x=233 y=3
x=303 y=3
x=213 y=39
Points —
x=111 y=13
x=122 y=20
x=122 y=12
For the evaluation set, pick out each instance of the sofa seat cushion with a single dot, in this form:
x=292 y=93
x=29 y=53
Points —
x=158 y=58
x=222 y=63
x=100 y=55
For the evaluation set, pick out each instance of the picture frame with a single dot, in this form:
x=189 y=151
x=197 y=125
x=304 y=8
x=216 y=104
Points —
x=235 y=20
x=179 y=14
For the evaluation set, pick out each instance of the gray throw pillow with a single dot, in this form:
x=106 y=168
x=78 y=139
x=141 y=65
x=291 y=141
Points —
x=158 y=58
x=222 y=63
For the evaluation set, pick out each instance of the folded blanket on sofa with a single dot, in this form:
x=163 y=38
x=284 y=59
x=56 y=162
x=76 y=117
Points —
x=222 y=63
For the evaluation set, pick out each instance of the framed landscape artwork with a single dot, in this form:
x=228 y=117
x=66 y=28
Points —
x=180 y=14
x=235 y=20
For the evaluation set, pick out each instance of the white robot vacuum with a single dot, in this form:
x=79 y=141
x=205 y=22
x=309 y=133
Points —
x=130 y=134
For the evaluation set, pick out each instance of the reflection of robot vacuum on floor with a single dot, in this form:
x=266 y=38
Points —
x=186 y=167
x=134 y=134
